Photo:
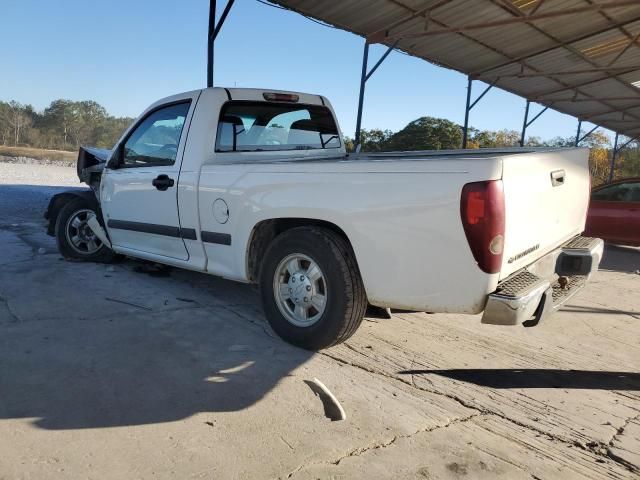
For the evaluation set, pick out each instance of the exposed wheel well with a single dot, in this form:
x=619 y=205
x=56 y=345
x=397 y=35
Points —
x=264 y=232
x=60 y=200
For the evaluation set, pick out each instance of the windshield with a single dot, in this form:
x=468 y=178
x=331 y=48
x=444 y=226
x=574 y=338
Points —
x=260 y=126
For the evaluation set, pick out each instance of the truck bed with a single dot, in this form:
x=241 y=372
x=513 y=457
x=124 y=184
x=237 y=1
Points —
x=541 y=213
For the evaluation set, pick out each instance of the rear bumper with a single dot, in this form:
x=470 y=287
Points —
x=531 y=294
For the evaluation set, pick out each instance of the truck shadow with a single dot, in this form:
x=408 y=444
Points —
x=620 y=258
x=89 y=346
x=135 y=369
x=539 y=378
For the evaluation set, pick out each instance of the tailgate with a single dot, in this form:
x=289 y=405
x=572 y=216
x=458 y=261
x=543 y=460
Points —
x=546 y=199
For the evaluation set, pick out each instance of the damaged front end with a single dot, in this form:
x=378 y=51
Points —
x=91 y=162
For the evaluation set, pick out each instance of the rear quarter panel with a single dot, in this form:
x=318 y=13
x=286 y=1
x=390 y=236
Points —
x=401 y=217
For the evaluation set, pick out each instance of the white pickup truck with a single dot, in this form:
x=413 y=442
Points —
x=256 y=186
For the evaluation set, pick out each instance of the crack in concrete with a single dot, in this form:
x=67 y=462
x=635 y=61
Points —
x=359 y=451
x=620 y=430
x=30 y=259
x=594 y=447
x=13 y=314
x=379 y=445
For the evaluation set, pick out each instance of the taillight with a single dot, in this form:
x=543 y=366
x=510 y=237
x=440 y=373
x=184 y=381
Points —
x=482 y=211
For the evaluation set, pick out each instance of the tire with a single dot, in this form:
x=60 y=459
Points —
x=80 y=208
x=328 y=322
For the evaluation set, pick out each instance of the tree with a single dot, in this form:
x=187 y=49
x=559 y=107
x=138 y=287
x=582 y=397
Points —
x=426 y=133
x=493 y=139
x=374 y=140
x=19 y=118
x=88 y=117
x=5 y=126
x=57 y=118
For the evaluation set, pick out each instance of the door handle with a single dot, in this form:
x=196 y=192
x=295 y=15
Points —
x=162 y=182
x=557 y=178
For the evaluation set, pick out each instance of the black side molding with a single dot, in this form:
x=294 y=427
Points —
x=145 y=228
x=188 y=233
x=167 y=231
x=215 y=237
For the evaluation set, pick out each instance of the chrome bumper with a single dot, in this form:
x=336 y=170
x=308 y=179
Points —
x=531 y=294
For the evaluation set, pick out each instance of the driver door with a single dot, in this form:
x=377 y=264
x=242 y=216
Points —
x=139 y=187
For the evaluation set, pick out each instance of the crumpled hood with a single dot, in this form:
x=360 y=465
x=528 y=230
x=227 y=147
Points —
x=91 y=160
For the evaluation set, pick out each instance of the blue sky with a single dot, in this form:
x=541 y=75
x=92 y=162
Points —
x=127 y=54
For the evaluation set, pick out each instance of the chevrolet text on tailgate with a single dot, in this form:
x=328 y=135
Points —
x=256 y=186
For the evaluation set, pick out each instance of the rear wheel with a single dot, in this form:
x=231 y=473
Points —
x=75 y=238
x=311 y=288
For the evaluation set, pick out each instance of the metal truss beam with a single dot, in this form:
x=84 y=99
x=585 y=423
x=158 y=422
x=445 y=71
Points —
x=526 y=123
x=468 y=107
x=381 y=36
x=214 y=30
x=363 y=80
x=581 y=138
x=616 y=151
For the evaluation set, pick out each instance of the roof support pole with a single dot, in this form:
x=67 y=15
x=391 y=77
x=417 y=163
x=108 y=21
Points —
x=210 y=38
x=363 y=81
x=524 y=123
x=364 y=76
x=465 y=129
x=586 y=135
x=469 y=107
x=528 y=122
x=613 y=158
x=214 y=29
x=578 y=133
x=616 y=151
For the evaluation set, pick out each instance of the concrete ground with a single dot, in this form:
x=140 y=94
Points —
x=116 y=372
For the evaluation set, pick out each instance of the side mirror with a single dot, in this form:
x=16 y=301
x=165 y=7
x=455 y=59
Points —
x=116 y=158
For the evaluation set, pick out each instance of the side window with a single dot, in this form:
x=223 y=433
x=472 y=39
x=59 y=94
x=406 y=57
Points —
x=155 y=141
x=635 y=193
x=615 y=193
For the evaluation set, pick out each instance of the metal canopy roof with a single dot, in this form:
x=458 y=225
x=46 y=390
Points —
x=579 y=57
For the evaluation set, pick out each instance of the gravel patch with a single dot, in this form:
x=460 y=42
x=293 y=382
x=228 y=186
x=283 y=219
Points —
x=25 y=190
x=37 y=174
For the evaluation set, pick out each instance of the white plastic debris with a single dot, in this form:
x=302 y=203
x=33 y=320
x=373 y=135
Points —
x=42 y=251
x=339 y=413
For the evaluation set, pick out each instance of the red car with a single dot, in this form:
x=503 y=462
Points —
x=614 y=212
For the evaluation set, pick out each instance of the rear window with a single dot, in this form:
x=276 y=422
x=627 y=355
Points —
x=261 y=126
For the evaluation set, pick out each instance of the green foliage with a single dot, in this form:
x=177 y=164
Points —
x=63 y=125
x=493 y=139
x=374 y=140
x=426 y=133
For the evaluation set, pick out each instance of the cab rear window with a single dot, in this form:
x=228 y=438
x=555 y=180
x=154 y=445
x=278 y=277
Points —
x=262 y=126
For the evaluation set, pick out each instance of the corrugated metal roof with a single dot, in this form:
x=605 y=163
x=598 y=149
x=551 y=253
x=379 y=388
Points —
x=579 y=57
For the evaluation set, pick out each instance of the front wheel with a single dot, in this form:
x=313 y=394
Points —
x=311 y=288
x=75 y=238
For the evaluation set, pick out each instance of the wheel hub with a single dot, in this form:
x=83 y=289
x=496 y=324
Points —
x=85 y=232
x=79 y=234
x=300 y=288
